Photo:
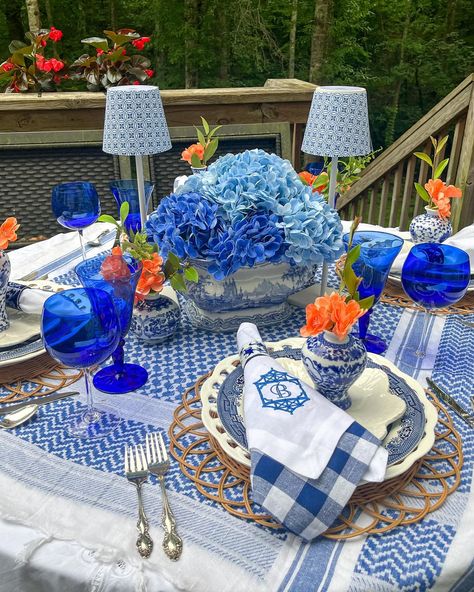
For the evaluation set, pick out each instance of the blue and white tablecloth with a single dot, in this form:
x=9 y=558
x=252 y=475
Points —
x=68 y=515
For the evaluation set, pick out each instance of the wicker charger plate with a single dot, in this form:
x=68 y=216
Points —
x=374 y=508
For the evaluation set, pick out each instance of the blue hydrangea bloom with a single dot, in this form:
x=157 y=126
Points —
x=245 y=209
x=245 y=243
x=183 y=224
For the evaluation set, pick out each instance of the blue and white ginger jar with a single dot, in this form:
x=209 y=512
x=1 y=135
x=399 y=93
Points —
x=5 y=269
x=430 y=228
x=156 y=317
x=334 y=365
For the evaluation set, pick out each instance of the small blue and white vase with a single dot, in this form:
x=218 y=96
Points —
x=156 y=317
x=5 y=269
x=334 y=365
x=430 y=228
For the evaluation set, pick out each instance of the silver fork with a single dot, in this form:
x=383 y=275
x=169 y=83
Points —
x=136 y=472
x=158 y=464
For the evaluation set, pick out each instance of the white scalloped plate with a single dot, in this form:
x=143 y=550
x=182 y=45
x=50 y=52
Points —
x=212 y=422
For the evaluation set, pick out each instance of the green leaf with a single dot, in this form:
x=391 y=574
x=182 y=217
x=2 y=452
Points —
x=425 y=157
x=440 y=168
x=191 y=274
x=97 y=42
x=195 y=162
x=177 y=282
x=441 y=144
x=350 y=279
x=210 y=149
x=205 y=125
x=422 y=192
x=213 y=131
x=434 y=141
x=366 y=303
x=124 y=211
x=107 y=218
x=18 y=59
x=16 y=45
x=173 y=260
x=353 y=255
x=121 y=38
x=201 y=138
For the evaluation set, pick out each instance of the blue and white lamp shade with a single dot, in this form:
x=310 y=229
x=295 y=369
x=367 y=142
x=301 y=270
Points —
x=338 y=122
x=135 y=122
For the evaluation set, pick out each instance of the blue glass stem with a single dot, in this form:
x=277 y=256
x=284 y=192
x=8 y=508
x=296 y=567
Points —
x=118 y=357
x=364 y=324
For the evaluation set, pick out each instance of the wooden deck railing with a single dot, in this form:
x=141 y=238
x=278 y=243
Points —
x=279 y=100
x=385 y=194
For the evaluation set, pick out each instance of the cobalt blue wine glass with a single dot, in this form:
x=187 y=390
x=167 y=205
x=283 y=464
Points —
x=377 y=253
x=80 y=329
x=127 y=190
x=434 y=276
x=121 y=284
x=76 y=206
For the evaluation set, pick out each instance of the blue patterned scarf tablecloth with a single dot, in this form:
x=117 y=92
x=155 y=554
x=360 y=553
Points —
x=430 y=555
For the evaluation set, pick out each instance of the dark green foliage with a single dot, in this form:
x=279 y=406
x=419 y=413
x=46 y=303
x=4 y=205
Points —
x=407 y=53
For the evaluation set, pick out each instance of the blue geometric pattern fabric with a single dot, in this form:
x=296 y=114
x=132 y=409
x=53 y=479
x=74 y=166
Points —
x=308 y=507
x=135 y=122
x=338 y=122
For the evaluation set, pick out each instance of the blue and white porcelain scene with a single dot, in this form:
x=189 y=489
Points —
x=5 y=269
x=255 y=233
x=430 y=227
x=334 y=365
x=156 y=317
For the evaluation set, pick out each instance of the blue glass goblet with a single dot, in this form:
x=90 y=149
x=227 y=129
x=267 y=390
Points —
x=127 y=190
x=119 y=377
x=434 y=275
x=377 y=253
x=80 y=329
x=76 y=206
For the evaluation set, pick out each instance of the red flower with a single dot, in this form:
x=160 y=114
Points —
x=149 y=73
x=7 y=66
x=43 y=42
x=114 y=267
x=135 y=82
x=99 y=51
x=8 y=232
x=55 y=34
x=140 y=43
x=41 y=63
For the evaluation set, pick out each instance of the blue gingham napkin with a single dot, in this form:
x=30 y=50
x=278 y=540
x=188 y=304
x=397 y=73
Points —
x=306 y=493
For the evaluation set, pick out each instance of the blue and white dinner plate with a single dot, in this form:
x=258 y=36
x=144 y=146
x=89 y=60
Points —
x=408 y=439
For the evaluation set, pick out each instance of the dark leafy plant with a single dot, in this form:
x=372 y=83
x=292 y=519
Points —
x=27 y=69
x=112 y=65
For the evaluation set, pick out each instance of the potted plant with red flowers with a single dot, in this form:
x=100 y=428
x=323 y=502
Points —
x=113 y=63
x=28 y=69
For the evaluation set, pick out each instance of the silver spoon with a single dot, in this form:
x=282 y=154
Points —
x=16 y=418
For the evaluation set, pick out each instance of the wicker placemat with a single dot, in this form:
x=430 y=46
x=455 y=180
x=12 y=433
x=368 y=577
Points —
x=393 y=294
x=374 y=508
x=43 y=377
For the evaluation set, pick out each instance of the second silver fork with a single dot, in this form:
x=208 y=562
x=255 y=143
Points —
x=158 y=464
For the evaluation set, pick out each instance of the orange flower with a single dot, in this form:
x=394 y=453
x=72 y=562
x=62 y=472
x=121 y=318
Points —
x=152 y=277
x=8 y=232
x=440 y=194
x=331 y=313
x=312 y=180
x=114 y=267
x=344 y=315
x=197 y=149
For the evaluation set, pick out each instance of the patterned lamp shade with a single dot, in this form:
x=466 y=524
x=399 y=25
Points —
x=338 y=122
x=135 y=122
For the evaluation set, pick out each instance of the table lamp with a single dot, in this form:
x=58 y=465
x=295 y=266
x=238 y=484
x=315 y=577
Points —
x=135 y=125
x=338 y=125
